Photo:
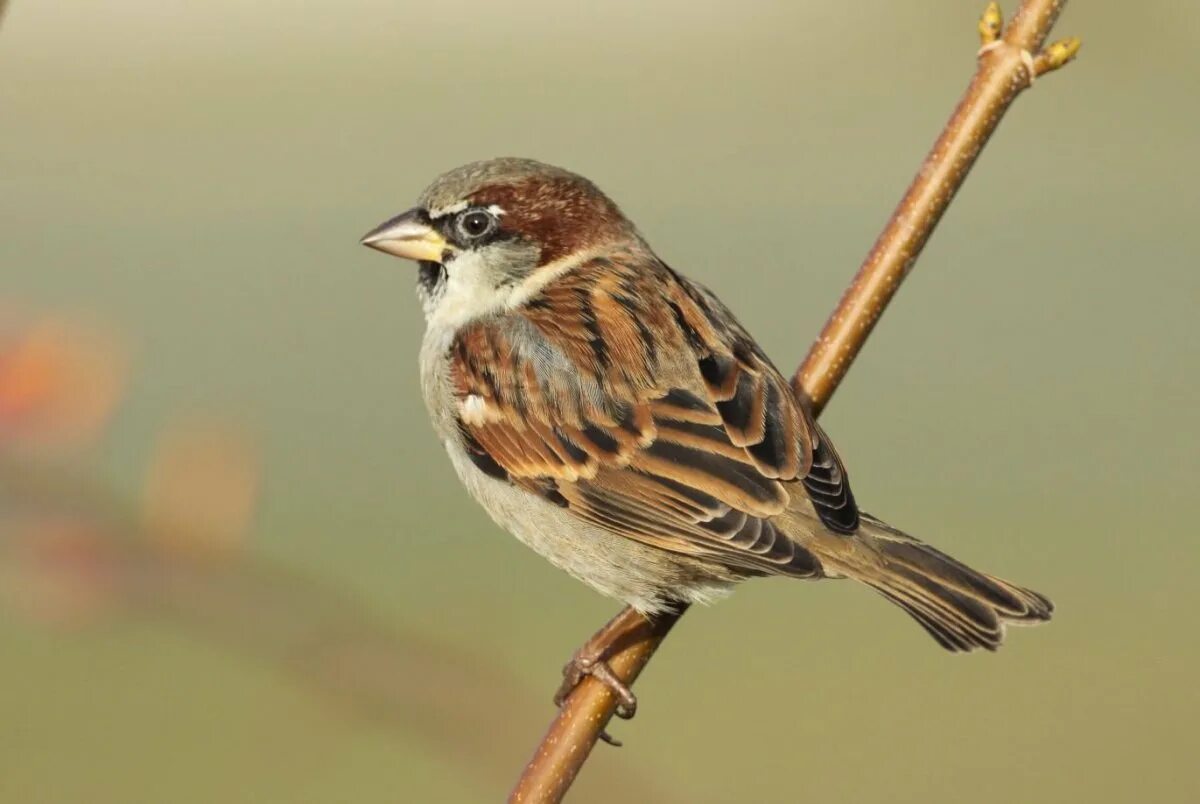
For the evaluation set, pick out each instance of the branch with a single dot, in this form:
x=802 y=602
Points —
x=1006 y=67
x=1009 y=61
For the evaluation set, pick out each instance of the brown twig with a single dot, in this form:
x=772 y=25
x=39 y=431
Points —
x=583 y=716
x=1008 y=62
x=1006 y=66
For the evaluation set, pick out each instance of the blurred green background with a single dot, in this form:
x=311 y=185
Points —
x=196 y=176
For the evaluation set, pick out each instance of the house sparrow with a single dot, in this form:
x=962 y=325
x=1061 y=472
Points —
x=614 y=415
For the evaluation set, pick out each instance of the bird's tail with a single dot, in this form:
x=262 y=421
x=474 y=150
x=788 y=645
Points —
x=961 y=608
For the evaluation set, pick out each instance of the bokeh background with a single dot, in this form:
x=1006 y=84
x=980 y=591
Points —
x=235 y=565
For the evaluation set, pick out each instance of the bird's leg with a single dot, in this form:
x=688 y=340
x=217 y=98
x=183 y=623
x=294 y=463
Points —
x=589 y=660
x=592 y=660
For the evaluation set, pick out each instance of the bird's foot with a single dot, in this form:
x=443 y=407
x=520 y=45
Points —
x=588 y=661
x=592 y=659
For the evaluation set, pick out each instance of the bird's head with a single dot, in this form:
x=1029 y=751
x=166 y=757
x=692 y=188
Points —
x=490 y=234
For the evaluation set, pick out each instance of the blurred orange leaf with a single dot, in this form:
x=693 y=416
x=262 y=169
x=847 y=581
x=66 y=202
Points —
x=59 y=382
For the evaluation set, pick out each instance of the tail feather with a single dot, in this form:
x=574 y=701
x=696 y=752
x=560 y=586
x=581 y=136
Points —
x=961 y=608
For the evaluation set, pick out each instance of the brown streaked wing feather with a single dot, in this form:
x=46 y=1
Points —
x=581 y=397
x=753 y=399
x=759 y=411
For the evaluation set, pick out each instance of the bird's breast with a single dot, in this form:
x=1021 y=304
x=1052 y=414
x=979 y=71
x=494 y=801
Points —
x=436 y=387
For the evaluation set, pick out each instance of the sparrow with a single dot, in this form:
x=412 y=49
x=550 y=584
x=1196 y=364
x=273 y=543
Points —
x=614 y=416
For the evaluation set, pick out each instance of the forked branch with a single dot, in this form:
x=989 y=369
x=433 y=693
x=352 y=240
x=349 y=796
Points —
x=1010 y=58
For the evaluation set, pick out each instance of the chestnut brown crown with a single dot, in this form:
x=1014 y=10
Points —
x=559 y=212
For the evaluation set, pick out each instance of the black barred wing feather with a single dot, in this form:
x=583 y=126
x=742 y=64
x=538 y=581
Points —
x=828 y=487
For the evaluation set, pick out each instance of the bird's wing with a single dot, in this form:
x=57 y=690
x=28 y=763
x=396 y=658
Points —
x=636 y=402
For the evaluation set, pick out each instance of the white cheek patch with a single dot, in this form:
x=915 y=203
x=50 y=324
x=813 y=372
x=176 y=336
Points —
x=470 y=292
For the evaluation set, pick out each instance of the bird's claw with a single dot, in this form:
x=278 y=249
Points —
x=579 y=667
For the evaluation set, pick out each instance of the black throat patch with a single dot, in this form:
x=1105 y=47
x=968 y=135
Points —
x=430 y=275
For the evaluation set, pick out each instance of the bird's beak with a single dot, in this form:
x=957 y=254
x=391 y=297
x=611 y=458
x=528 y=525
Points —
x=409 y=236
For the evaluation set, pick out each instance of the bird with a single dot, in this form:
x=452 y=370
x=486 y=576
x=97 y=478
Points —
x=616 y=417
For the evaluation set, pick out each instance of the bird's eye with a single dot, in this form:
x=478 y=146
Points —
x=475 y=223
